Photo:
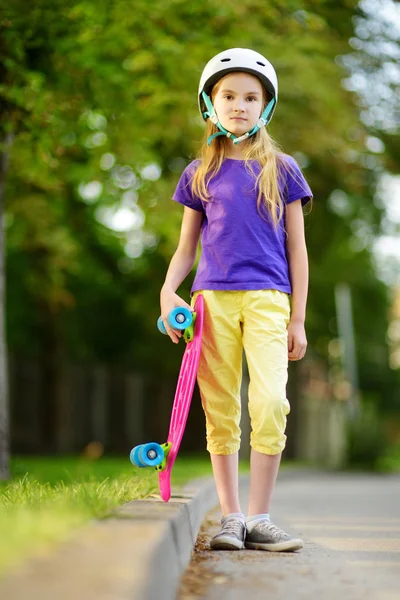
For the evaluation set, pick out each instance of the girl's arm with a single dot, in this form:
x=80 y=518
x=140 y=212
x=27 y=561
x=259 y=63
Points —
x=180 y=266
x=298 y=269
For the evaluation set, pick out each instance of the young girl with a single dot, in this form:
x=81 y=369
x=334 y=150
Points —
x=244 y=197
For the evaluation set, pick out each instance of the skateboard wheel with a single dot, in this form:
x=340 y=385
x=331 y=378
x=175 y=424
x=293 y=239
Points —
x=179 y=318
x=161 y=326
x=147 y=455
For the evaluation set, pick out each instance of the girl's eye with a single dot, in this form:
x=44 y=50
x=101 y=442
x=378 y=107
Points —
x=253 y=98
x=227 y=96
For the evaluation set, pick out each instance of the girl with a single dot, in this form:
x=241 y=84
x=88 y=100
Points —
x=245 y=199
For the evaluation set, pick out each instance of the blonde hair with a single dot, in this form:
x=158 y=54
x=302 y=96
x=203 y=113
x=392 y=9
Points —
x=260 y=147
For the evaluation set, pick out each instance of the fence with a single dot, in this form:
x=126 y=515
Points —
x=97 y=403
x=118 y=409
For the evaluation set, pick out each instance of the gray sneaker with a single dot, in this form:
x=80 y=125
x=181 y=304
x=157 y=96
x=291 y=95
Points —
x=266 y=536
x=231 y=536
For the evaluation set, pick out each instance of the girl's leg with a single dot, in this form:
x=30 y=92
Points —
x=219 y=378
x=226 y=476
x=261 y=533
x=266 y=315
x=263 y=472
x=232 y=534
x=265 y=340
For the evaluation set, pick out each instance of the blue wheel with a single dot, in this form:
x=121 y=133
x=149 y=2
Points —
x=161 y=326
x=147 y=455
x=179 y=318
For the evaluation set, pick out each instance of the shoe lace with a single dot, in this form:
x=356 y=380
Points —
x=272 y=530
x=234 y=526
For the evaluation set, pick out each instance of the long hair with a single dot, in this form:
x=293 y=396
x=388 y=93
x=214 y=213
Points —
x=261 y=147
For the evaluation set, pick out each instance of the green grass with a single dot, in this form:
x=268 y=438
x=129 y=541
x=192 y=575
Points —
x=47 y=499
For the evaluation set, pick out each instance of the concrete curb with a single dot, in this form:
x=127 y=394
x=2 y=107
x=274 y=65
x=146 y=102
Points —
x=139 y=553
x=174 y=552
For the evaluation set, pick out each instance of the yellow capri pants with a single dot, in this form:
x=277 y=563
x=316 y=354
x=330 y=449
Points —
x=256 y=321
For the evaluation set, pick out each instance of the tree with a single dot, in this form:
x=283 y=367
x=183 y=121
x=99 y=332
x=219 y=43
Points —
x=99 y=97
x=3 y=344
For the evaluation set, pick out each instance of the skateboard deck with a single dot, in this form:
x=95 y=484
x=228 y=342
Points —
x=183 y=398
x=162 y=457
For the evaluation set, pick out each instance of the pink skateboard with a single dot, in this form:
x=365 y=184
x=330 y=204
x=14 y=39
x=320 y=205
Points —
x=162 y=456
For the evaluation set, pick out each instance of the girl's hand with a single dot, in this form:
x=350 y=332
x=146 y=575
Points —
x=297 y=341
x=168 y=301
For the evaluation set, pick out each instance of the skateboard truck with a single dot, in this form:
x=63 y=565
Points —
x=166 y=447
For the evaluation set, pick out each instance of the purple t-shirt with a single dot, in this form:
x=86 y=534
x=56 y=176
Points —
x=240 y=249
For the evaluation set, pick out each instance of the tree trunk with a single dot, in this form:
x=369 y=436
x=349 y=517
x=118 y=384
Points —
x=4 y=433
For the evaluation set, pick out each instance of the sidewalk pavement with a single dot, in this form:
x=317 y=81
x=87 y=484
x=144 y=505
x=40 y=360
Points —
x=350 y=525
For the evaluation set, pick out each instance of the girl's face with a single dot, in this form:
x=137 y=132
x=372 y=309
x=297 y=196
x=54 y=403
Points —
x=238 y=100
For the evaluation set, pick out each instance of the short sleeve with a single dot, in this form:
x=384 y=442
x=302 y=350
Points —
x=296 y=187
x=183 y=192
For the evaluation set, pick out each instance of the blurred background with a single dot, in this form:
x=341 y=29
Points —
x=98 y=118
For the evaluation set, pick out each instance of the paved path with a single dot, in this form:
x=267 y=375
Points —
x=351 y=528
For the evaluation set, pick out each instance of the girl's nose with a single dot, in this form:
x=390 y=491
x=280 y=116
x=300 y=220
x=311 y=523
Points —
x=239 y=107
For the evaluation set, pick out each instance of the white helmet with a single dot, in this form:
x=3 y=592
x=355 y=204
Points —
x=237 y=59
x=228 y=61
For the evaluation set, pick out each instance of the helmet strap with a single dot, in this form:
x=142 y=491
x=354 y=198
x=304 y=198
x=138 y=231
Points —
x=212 y=115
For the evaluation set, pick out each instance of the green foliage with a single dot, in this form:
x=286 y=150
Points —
x=366 y=442
x=84 y=80
x=390 y=461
